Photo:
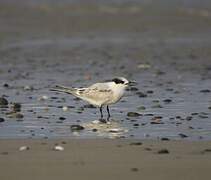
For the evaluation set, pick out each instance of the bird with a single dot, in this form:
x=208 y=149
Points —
x=99 y=94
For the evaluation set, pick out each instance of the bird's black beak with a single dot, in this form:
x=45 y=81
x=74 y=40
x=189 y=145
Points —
x=132 y=83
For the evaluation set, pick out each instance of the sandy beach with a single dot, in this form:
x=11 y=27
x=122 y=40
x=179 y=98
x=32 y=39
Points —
x=105 y=159
x=160 y=130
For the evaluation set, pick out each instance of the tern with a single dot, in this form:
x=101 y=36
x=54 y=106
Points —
x=99 y=94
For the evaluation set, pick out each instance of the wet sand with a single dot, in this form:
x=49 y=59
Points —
x=105 y=159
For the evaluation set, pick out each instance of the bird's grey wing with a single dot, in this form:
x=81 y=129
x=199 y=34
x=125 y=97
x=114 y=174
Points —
x=96 y=92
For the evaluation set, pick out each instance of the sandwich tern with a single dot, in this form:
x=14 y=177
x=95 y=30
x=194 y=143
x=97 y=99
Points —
x=99 y=94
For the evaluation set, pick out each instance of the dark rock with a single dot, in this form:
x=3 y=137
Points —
x=165 y=139
x=163 y=151
x=2 y=120
x=16 y=107
x=167 y=100
x=134 y=169
x=141 y=94
x=150 y=92
x=209 y=107
x=6 y=85
x=136 y=143
x=133 y=114
x=62 y=118
x=203 y=116
x=205 y=91
x=194 y=114
x=3 y=102
x=157 y=106
x=141 y=108
x=136 y=125
x=182 y=135
x=133 y=89
x=94 y=130
x=148 y=149
x=4 y=153
x=76 y=127
x=148 y=114
x=189 y=118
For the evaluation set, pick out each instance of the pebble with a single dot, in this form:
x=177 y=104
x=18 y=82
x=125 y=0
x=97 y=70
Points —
x=189 y=118
x=15 y=115
x=136 y=143
x=141 y=108
x=205 y=91
x=165 y=139
x=209 y=107
x=134 y=169
x=43 y=98
x=167 y=100
x=62 y=118
x=3 y=102
x=58 y=148
x=76 y=127
x=182 y=135
x=157 y=106
x=150 y=92
x=141 y=94
x=23 y=148
x=133 y=114
x=163 y=151
x=28 y=88
x=65 y=108
x=16 y=107
x=2 y=120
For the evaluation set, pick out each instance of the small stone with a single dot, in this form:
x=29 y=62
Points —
x=167 y=100
x=65 y=108
x=182 y=135
x=209 y=107
x=150 y=92
x=205 y=91
x=62 y=118
x=3 y=102
x=134 y=169
x=23 y=148
x=141 y=108
x=163 y=151
x=4 y=153
x=58 y=148
x=141 y=94
x=94 y=130
x=43 y=98
x=165 y=139
x=15 y=115
x=6 y=85
x=189 y=118
x=76 y=127
x=133 y=114
x=2 y=120
x=133 y=89
x=136 y=143
x=157 y=106
x=16 y=107
x=28 y=88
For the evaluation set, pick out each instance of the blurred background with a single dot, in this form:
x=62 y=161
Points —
x=165 y=45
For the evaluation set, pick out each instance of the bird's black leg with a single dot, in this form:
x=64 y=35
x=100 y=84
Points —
x=101 y=112
x=109 y=115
